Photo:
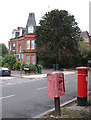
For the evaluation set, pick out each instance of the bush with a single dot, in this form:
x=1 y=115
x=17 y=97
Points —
x=10 y=60
x=17 y=66
x=6 y=66
x=40 y=66
x=32 y=68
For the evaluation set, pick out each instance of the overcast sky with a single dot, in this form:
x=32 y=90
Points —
x=14 y=13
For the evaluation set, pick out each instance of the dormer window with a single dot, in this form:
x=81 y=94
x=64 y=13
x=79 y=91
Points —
x=86 y=39
x=30 y=29
x=20 y=32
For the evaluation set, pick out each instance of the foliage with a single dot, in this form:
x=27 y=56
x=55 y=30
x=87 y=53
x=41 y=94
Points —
x=32 y=68
x=6 y=65
x=40 y=66
x=85 y=54
x=9 y=59
x=4 y=49
x=46 y=62
x=17 y=66
x=57 y=32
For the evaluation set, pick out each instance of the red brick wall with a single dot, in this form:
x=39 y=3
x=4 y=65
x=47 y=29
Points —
x=22 y=41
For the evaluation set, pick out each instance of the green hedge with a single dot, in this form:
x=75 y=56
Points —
x=32 y=68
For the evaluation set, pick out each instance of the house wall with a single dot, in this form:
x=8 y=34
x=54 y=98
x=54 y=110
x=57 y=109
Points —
x=23 y=42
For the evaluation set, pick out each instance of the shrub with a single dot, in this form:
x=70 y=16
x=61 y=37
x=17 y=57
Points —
x=32 y=68
x=6 y=66
x=40 y=66
x=17 y=65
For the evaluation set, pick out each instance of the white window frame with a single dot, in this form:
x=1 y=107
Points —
x=32 y=59
x=32 y=44
x=30 y=29
x=21 y=56
x=10 y=47
x=13 y=46
x=27 y=59
x=28 y=45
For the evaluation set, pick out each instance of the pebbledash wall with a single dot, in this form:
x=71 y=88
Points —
x=23 y=42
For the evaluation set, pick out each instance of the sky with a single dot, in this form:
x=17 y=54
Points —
x=14 y=13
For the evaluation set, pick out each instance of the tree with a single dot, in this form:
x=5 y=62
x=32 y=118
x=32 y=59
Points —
x=85 y=54
x=9 y=59
x=57 y=35
x=4 y=49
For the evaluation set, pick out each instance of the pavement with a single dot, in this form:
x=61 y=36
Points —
x=70 y=104
x=43 y=74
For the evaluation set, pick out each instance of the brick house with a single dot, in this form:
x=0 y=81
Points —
x=86 y=38
x=23 y=44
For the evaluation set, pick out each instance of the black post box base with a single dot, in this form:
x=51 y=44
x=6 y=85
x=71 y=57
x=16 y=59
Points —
x=81 y=101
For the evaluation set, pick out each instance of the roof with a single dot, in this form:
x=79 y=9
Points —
x=84 y=33
x=31 y=21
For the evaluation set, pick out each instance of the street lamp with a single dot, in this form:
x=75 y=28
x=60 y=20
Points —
x=20 y=64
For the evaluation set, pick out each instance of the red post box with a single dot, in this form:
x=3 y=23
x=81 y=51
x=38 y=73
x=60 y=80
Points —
x=82 y=75
x=55 y=82
x=56 y=88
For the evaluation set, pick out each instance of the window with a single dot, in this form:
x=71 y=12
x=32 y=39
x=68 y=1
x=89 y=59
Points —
x=20 y=32
x=32 y=44
x=28 y=44
x=27 y=59
x=86 y=39
x=30 y=29
x=20 y=48
x=20 y=56
x=10 y=47
x=32 y=59
x=13 y=46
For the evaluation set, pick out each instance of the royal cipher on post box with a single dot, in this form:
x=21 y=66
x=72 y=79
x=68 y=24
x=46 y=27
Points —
x=55 y=82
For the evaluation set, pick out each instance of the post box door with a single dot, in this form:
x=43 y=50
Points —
x=52 y=86
x=60 y=84
x=55 y=82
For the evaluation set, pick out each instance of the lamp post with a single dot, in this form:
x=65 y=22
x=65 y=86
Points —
x=20 y=64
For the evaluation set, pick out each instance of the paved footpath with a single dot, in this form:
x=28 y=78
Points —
x=44 y=74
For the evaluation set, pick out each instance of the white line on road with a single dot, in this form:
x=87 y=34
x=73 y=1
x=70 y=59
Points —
x=46 y=87
x=42 y=88
x=67 y=82
x=7 y=97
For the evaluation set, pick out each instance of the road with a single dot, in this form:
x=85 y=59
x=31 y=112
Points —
x=28 y=97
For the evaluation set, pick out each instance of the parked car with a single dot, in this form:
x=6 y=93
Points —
x=4 y=71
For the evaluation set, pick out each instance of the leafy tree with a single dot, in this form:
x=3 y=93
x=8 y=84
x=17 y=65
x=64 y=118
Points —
x=10 y=60
x=4 y=49
x=57 y=35
x=85 y=54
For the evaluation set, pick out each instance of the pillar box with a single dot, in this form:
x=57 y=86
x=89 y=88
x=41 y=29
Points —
x=82 y=77
x=56 y=87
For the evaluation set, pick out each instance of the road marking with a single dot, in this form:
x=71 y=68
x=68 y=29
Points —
x=6 y=78
x=9 y=84
x=67 y=82
x=46 y=87
x=41 y=88
x=7 y=97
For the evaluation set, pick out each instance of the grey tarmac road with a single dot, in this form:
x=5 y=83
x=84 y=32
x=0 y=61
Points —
x=28 y=97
